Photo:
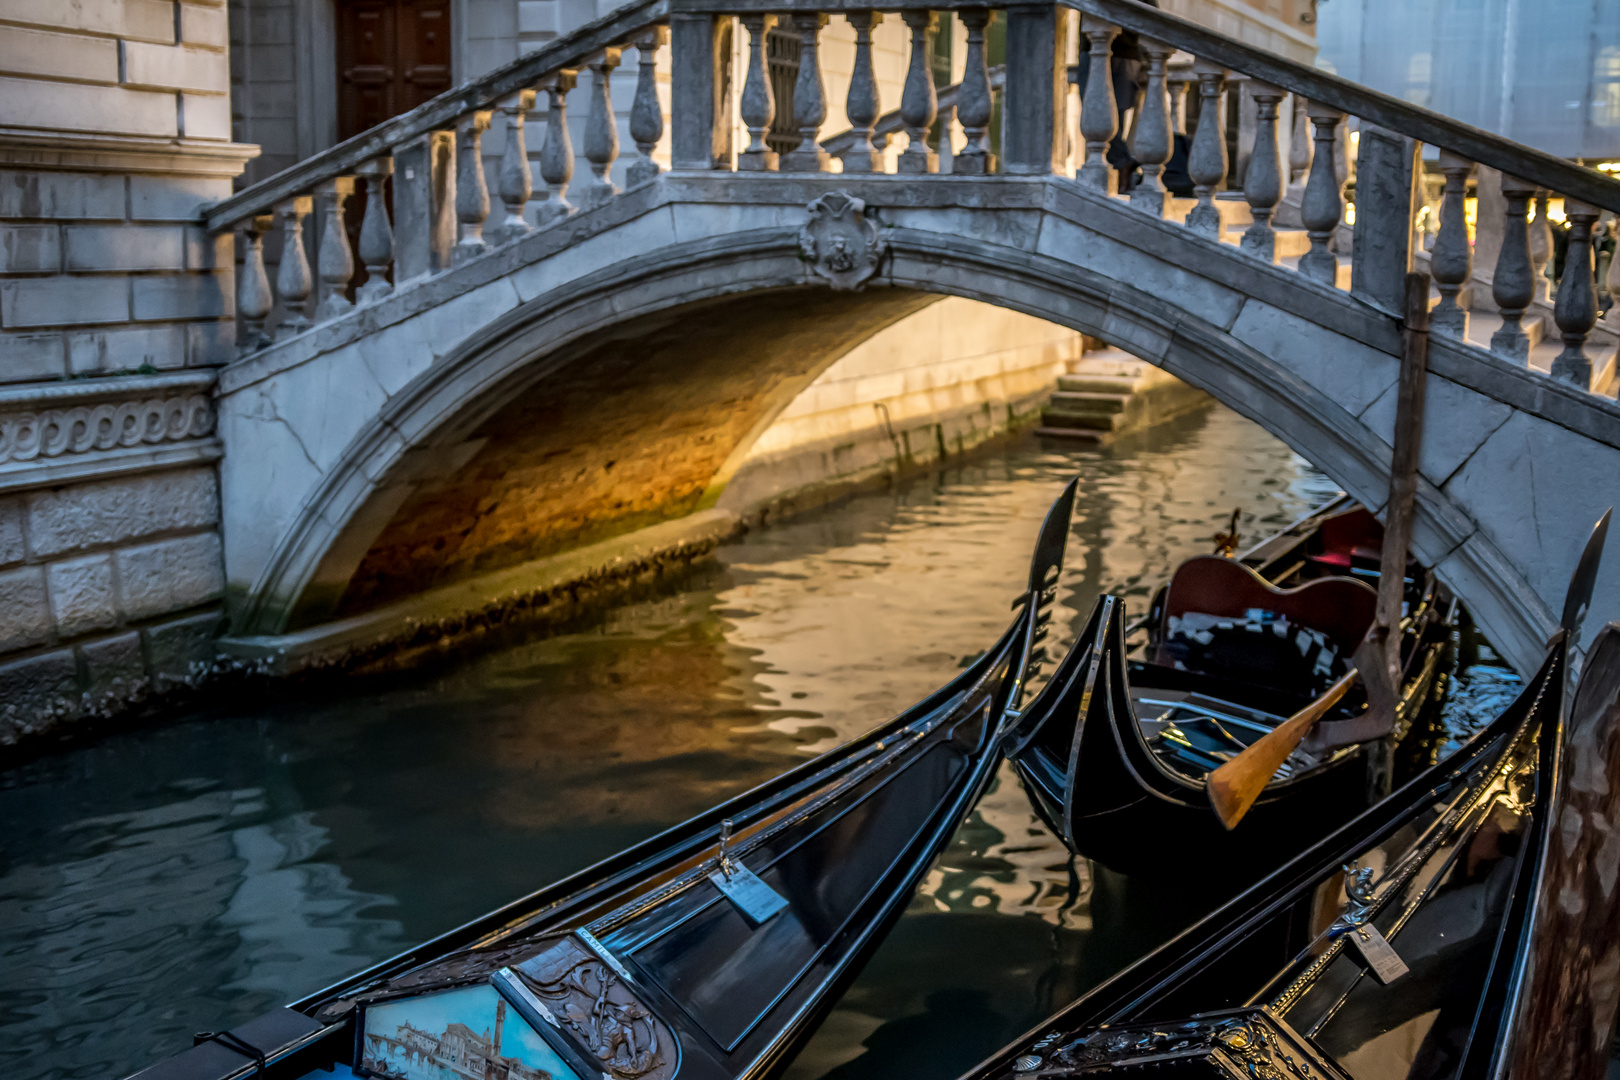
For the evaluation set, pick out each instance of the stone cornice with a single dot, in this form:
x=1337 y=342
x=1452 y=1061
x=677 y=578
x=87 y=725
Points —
x=23 y=148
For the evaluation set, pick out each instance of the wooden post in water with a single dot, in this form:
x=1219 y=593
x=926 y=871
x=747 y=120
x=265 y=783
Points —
x=1571 y=982
x=1398 y=511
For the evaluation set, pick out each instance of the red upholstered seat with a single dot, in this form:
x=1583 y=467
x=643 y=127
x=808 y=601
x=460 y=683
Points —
x=1340 y=607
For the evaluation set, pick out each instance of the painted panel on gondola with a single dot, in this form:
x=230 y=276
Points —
x=465 y=1034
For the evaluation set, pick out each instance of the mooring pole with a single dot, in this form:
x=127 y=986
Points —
x=1571 y=979
x=1398 y=511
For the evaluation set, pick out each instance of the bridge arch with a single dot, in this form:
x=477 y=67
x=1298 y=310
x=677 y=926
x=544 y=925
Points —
x=502 y=446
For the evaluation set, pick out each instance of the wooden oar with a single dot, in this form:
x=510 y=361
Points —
x=1235 y=786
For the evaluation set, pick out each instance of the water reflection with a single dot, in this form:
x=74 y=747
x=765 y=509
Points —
x=191 y=875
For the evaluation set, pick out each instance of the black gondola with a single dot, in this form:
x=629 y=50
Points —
x=1390 y=949
x=713 y=949
x=1114 y=752
x=1397 y=946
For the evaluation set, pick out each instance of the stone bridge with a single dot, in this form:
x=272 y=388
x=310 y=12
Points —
x=569 y=379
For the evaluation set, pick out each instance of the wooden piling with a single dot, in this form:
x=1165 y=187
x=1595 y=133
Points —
x=1398 y=511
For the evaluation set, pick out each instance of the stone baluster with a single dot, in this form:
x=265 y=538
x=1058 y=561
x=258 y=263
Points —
x=1299 y=151
x=973 y=103
x=919 y=101
x=758 y=105
x=1575 y=308
x=334 y=262
x=1262 y=180
x=1541 y=249
x=809 y=98
x=601 y=129
x=863 y=105
x=1451 y=262
x=1206 y=159
x=557 y=151
x=1153 y=143
x=376 y=235
x=1177 y=86
x=293 y=279
x=1322 y=202
x=253 y=296
x=947 y=140
x=1099 y=112
x=646 y=113
x=1512 y=286
x=472 y=192
x=1612 y=278
x=517 y=181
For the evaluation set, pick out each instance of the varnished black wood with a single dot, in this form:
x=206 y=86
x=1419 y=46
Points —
x=1095 y=780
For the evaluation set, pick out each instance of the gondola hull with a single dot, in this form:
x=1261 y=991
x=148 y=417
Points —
x=1092 y=775
x=1388 y=949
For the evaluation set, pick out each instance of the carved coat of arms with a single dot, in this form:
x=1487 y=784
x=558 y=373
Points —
x=840 y=242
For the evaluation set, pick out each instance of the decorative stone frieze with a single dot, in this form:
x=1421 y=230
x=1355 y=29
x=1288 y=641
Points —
x=81 y=429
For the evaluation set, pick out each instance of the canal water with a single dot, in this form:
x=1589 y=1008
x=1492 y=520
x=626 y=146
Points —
x=194 y=873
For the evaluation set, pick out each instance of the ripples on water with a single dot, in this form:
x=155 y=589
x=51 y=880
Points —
x=192 y=875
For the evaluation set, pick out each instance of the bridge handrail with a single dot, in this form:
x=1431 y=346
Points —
x=437 y=113
x=1425 y=125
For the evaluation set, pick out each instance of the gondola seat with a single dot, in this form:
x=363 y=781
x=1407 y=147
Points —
x=1220 y=617
x=1348 y=537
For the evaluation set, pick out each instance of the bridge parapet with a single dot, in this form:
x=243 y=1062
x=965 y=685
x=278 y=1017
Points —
x=432 y=157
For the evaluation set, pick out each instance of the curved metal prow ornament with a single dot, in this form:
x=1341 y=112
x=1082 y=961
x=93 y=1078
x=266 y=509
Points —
x=1578 y=598
x=1053 y=540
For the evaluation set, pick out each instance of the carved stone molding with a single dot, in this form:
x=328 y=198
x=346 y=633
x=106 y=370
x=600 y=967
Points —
x=23 y=148
x=840 y=242
x=24 y=436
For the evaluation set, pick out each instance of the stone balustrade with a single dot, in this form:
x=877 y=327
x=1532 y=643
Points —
x=441 y=204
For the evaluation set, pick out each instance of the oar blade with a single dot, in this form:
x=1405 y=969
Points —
x=1234 y=787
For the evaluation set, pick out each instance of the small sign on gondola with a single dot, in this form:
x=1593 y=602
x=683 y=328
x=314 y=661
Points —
x=1380 y=955
x=756 y=900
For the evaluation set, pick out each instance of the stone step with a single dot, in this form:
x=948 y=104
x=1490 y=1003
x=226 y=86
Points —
x=1096 y=384
x=1091 y=426
x=1071 y=403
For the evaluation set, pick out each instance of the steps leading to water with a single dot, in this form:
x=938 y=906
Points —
x=1108 y=392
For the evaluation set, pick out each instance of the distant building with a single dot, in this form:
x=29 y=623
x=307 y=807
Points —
x=1545 y=73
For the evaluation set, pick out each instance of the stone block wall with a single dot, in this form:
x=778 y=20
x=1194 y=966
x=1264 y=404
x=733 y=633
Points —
x=116 y=132
x=115 y=307
x=110 y=565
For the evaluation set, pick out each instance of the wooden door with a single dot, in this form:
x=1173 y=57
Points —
x=392 y=56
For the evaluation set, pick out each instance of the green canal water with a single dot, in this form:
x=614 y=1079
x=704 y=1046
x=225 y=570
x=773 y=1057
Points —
x=196 y=872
